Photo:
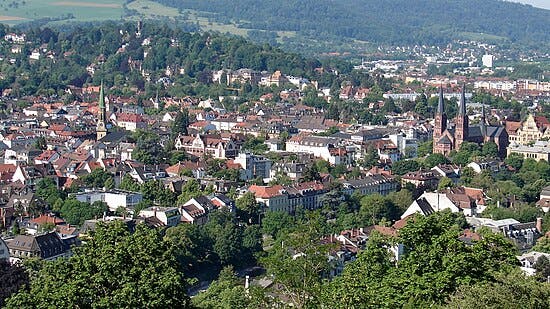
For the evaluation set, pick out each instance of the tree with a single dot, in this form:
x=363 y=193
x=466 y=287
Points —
x=76 y=212
x=12 y=278
x=490 y=150
x=435 y=159
x=277 y=223
x=228 y=292
x=311 y=173
x=436 y=262
x=41 y=143
x=98 y=178
x=129 y=183
x=189 y=190
x=514 y=160
x=148 y=147
x=299 y=262
x=113 y=269
x=509 y=290
x=181 y=123
x=425 y=148
x=543 y=245
x=542 y=265
x=374 y=207
x=445 y=183
x=249 y=208
x=405 y=166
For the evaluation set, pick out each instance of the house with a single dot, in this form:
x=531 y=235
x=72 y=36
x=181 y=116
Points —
x=319 y=146
x=293 y=170
x=195 y=211
x=533 y=129
x=31 y=174
x=286 y=198
x=447 y=170
x=421 y=178
x=524 y=235
x=544 y=200
x=48 y=246
x=375 y=184
x=48 y=156
x=222 y=201
x=144 y=173
x=169 y=216
x=253 y=166
x=36 y=225
x=429 y=203
x=201 y=145
x=130 y=121
x=469 y=201
x=538 y=151
x=114 y=198
x=486 y=165
x=528 y=261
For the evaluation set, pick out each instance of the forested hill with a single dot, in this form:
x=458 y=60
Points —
x=384 y=21
x=197 y=54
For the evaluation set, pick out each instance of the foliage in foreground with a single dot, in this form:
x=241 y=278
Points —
x=113 y=269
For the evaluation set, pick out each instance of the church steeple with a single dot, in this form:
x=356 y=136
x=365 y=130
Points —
x=441 y=104
x=482 y=122
x=101 y=127
x=440 y=123
x=462 y=124
x=462 y=105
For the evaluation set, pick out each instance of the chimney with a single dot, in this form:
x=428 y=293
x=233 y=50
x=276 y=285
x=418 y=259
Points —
x=539 y=225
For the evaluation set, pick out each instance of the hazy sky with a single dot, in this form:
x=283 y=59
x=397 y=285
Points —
x=538 y=3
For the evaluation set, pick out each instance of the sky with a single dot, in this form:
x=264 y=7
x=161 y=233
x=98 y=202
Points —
x=545 y=4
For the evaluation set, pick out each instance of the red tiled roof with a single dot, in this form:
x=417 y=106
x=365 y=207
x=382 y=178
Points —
x=266 y=191
x=126 y=117
x=43 y=219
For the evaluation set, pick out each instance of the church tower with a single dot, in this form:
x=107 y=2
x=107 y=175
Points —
x=483 y=122
x=440 y=124
x=101 y=127
x=440 y=117
x=461 y=129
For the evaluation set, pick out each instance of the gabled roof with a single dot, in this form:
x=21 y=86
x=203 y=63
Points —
x=266 y=191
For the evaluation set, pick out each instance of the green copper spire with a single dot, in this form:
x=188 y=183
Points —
x=101 y=97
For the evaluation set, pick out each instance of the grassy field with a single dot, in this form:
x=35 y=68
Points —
x=17 y=11
x=150 y=9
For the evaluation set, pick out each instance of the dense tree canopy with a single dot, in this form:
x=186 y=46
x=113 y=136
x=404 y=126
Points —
x=113 y=269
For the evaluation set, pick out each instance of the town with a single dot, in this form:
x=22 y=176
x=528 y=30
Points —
x=232 y=161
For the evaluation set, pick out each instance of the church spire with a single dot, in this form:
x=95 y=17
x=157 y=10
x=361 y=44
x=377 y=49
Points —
x=101 y=96
x=101 y=128
x=462 y=105
x=441 y=104
x=482 y=122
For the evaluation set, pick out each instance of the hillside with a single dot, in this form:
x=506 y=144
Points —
x=382 y=21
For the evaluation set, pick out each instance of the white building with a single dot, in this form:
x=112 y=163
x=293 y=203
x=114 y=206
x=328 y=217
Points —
x=406 y=146
x=113 y=198
x=253 y=166
x=169 y=216
x=487 y=60
x=528 y=261
x=430 y=202
x=317 y=145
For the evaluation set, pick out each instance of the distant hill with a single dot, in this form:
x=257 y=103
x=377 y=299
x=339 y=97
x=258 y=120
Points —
x=383 y=21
